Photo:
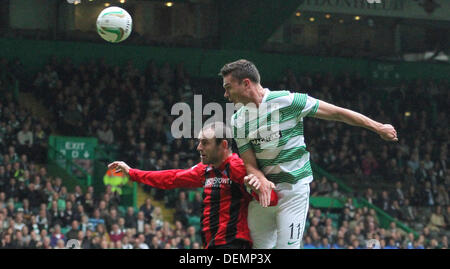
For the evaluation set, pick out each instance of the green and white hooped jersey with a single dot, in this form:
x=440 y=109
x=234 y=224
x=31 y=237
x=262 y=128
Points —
x=274 y=131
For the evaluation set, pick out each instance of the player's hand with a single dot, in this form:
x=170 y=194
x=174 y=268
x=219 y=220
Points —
x=387 y=132
x=263 y=188
x=253 y=182
x=119 y=166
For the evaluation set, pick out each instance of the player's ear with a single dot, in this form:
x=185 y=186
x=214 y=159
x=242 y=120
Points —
x=224 y=144
x=246 y=82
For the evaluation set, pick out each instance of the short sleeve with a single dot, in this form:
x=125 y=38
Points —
x=304 y=105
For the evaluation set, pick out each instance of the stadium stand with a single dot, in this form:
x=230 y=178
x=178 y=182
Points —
x=94 y=99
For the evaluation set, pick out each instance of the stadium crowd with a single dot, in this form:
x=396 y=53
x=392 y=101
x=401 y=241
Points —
x=128 y=110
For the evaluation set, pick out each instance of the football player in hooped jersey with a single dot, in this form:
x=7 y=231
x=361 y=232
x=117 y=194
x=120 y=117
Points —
x=279 y=159
x=225 y=197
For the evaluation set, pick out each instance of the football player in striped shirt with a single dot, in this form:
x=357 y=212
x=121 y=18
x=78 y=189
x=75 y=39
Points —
x=268 y=130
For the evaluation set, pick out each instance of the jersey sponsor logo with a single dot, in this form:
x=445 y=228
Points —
x=269 y=138
x=216 y=182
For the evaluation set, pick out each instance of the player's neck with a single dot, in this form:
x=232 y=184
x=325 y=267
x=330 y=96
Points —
x=256 y=95
x=223 y=159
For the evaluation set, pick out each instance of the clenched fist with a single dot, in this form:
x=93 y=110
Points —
x=387 y=132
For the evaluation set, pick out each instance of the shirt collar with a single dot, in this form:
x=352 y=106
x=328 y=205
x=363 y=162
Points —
x=224 y=163
x=266 y=94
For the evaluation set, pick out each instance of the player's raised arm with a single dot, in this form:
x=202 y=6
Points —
x=328 y=111
x=164 y=179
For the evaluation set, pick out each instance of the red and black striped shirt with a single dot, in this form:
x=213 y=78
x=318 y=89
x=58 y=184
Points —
x=225 y=199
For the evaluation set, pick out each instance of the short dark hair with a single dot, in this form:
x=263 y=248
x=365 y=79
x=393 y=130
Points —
x=221 y=132
x=240 y=70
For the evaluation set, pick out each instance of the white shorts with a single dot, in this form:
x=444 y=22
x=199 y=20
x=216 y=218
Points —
x=280 y=226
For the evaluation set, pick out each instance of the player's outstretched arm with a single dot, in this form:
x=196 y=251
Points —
x=328 y=111
x=164 y=179
x=264 y=186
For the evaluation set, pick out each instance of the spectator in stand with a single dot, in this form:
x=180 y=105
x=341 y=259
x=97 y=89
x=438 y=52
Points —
x=313 y=188
x=370 y=196
x=126 y=244
x=421 y=173
x=442 y=197
x=350 y=206
x=408 y=213
x=140 y=222
x=68 y=214
x=56 y=215
x=427 y=195
x=157 y=217
x=111 y=219
x=395 y=210
x=197 y=204
x=116 y=234
x=324 y=187
x=100 y=231
x=147 y=208
x=384 y=202
x=187 y=243
x=42 y=220
x=336 y=193
x=398 y=194
x=73 y=233
x=40 y=141
x=391 y=244
x=437 y=222
x=140 y=242
x=130 y=218
x=308 y=243
x=182 y=208
x=96 y=220
x=105 y=134
x=56 y=236
x=72 y=119
x=369 y=164
x=25 y=140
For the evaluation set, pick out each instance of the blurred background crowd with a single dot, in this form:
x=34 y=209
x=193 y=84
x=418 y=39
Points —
x=129 y=112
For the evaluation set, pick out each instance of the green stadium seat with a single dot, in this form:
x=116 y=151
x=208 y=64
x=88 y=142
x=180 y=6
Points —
x=122 y=210
x=191 y=196
x=194 y=221
x=18 y=205
x=64 y=230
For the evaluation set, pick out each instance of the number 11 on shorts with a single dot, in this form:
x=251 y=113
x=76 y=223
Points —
x=292 y=230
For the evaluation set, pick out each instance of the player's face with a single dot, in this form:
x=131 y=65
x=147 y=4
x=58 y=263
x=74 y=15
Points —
x=233 y=89
x=207 y=147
